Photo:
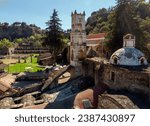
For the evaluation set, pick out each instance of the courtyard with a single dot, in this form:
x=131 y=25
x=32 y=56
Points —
x=26 y=64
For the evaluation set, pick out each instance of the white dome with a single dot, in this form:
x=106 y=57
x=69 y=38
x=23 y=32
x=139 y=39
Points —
x=128 y=57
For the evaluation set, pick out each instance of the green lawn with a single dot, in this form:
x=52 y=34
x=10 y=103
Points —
x=22 y=67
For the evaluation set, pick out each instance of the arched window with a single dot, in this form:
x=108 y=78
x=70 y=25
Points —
x=112 y=76
x=142 y=59
x=115 y=60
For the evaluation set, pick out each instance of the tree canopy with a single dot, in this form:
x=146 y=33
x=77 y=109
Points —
x=54 y=36
x=128 y=16
x=5 y=43
x=18 y=30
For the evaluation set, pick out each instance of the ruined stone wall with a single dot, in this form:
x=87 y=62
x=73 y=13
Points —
x=116 y=77
x=122 y=77
x=88 y=68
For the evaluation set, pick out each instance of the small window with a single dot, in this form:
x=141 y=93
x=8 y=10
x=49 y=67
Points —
x=72 y=55
x=112 y=76
x=115 y=60
x=142 y=59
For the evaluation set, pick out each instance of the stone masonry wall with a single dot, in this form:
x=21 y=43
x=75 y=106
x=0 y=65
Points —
x=117 y=77
x=122 y=77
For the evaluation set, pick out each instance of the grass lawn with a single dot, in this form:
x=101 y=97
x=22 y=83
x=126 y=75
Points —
x=22 y=67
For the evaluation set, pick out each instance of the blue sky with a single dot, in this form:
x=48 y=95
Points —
x=38 y=11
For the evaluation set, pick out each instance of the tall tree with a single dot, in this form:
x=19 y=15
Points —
x=125 y=21
x=5 y=43
x=54 y=37
x=128 y=16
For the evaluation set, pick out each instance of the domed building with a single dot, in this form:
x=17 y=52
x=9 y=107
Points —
x=128 y=55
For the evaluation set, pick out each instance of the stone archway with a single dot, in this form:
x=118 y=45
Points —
x=81 y=54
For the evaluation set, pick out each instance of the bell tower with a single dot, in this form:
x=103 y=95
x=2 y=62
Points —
x=78 y=41
x=129 y=40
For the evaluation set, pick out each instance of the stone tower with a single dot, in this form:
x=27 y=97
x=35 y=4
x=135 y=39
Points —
x=78 y=41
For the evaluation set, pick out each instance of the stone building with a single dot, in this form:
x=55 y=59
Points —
x=96 y=43
x=78 y=41
x=127 y=66
x=128 y=69
x=118 y=78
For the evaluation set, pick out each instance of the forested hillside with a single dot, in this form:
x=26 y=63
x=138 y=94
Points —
x=128 y=16
x=18 y=30
x=97 y=22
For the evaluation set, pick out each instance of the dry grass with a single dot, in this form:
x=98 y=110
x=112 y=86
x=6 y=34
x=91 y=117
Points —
x=9 y=61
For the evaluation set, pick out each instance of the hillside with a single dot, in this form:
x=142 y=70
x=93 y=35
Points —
x=18 y=30
x=96 y=23
x=128 y=16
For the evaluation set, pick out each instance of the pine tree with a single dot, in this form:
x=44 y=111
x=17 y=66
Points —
x=53 y=37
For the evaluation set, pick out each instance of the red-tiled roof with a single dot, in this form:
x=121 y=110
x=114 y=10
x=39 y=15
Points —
x=96 y=36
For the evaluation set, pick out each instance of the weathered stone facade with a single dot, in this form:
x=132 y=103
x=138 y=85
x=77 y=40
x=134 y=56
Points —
x=117 y=77
x=121 y=77
x=46 y=59
x=78 y=41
